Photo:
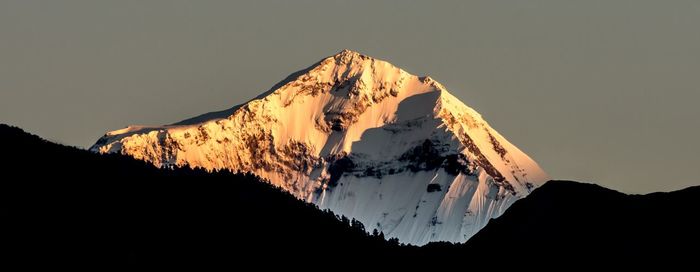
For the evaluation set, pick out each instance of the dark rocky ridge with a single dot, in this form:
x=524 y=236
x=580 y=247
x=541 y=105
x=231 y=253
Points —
x=84 y=209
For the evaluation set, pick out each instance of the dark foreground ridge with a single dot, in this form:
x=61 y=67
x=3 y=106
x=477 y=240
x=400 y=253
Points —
x=579 y=221
x=67 y=206
x=71 y=206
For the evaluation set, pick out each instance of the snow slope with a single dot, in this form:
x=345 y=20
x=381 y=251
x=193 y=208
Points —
x=362 y=138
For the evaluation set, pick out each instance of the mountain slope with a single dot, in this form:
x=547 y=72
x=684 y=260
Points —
x=362 y=138
x=66 y=206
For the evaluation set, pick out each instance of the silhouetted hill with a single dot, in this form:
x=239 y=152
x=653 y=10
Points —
x=67 y=206
x=64 y=205
x=575 y=220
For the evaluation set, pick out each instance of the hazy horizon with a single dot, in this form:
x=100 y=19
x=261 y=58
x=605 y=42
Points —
x=594 y=91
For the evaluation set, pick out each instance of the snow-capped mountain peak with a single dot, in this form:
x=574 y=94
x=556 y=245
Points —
x=361 y=137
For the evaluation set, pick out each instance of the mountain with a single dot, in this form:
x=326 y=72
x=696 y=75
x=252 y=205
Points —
x=362 y=138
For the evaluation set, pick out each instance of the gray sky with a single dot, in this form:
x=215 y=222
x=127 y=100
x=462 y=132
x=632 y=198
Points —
x=598 y=91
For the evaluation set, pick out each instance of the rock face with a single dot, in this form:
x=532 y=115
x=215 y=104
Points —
x=362 y=138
